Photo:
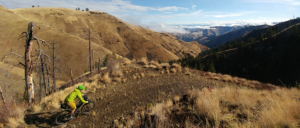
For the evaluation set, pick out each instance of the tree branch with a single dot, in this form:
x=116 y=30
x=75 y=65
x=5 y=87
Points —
x=22 y=64
x=47 y=57
x=44 y=42
x=13 y=54
x=39 y=47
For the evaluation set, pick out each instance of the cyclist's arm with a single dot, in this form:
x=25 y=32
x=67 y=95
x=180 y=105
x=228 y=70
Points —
x=81 y=99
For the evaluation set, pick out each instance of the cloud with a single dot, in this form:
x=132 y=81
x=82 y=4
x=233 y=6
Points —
x=289 y=2
x=210 y=24
x=171 y=8
x=118 y=6
x=228 y=15
x=162 y=27
x=154 y=26
x=194 y=6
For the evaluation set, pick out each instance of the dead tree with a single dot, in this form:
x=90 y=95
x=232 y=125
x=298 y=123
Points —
x=54 y=80
x=90 y=51
x=71 y=77
x=45 y=66
x=43 y=73
x=93 y=60
x=28 y=64
x=99 y=64
x=3 y=98
x=29 y=89
x=48 y=78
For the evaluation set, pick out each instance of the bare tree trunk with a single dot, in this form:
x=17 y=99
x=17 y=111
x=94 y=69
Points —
x=28 y=65
x=48 y=77
x=54 y=82
x=90 y=51
x=93 y=61
x=99 y=64
x=44 y=78
x=41 y=87
x=71 y=76
x=3 y=98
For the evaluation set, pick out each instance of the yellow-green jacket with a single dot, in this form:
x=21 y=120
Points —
x=73 y=95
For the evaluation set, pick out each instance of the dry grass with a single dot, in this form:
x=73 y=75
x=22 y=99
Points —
x=127 y=62
x=142 y=75
x=158 y=66
x=230 y=106
x=113 y=66
x=117 y=79
x=173 y=70
x=14 y=115
x=105 y=78
x=143 y=61
x=124 y=80
x=152 y=67
x=165 y=65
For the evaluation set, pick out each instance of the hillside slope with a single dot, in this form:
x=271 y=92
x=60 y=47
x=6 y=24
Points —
x=69 y=29
x=231 y=35
x=273 y=60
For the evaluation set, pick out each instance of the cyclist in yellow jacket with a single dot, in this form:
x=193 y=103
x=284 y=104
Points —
x=70 y=99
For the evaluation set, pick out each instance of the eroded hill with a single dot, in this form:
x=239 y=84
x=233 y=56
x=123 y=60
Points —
x=69 y=29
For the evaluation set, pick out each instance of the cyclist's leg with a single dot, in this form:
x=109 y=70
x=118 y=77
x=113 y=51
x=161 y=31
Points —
x=72 y=105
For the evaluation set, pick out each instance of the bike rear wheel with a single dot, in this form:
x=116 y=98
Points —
x=87 y=108
x=62 y=117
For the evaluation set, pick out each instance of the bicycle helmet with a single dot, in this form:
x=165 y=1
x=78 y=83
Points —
x=81 y=87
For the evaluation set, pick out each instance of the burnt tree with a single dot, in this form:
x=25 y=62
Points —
x=54 y=80
x=90 y=51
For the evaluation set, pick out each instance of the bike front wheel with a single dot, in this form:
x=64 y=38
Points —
x=63 y=117
x=87 y=108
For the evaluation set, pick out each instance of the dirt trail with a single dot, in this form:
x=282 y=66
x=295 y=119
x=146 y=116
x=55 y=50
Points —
x=122 y=99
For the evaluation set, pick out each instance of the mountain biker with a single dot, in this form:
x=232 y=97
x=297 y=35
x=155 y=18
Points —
x=70 y=99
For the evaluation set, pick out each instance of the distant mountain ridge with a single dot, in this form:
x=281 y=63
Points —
x=232 y=35
x=204 y=35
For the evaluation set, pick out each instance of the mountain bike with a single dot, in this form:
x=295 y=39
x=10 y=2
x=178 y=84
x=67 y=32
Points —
x=81 y=108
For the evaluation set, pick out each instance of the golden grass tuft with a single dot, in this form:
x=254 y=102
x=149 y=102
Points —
x=124 y=80
x=173 y=70
x=117 y=79
x=92 y=90
x=186 y=69
x=146 y=66
x=229 y=106
x=37 y=108
x=142 y=75
x=153 y=75
x=143 y=61
x=178 y=68
x=105 y=78
x=134 y=77
x=127 y=62
x=165 y=65
x=168 y=71
x=152 y=66
x=176 y=99
x=158 y=66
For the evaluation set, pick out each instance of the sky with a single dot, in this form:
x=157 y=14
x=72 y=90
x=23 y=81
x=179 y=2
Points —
x=173 y=15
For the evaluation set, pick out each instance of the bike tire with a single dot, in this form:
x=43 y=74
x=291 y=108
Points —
x=62 y=117
x=87 y=108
